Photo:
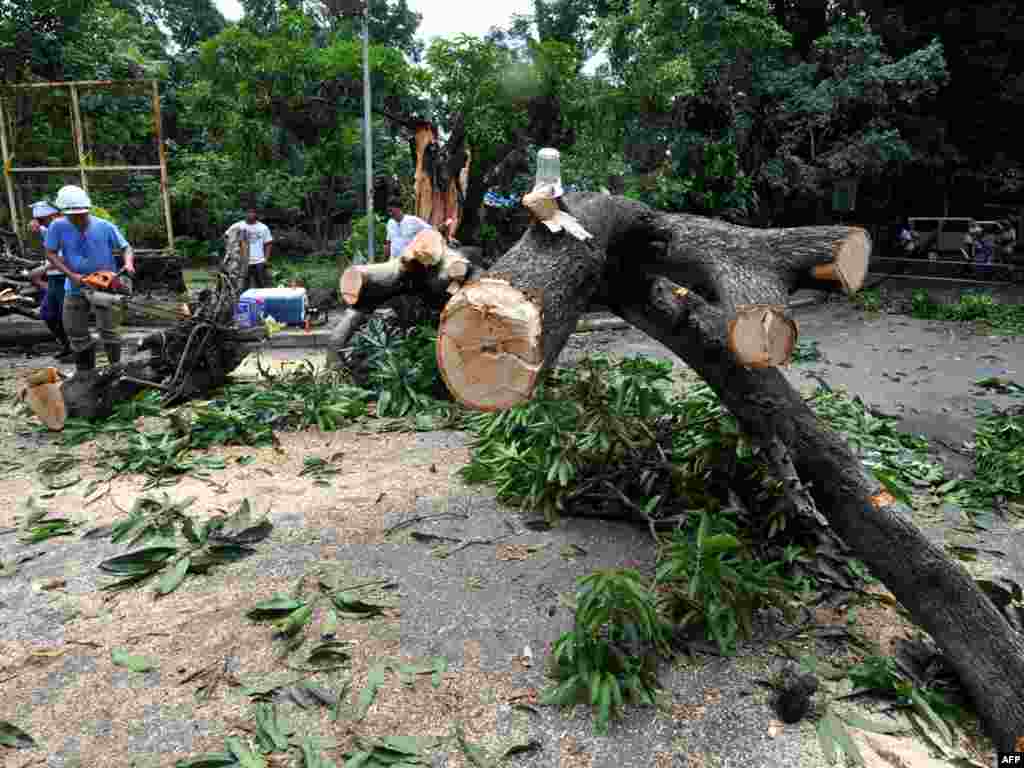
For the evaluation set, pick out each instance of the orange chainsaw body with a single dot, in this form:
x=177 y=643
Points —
x=104 y=281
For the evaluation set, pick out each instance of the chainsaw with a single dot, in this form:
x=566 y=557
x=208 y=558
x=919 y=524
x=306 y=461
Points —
x=106 y=289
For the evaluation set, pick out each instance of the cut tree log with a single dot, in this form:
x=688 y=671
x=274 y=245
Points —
x=724 y=268
x=428 y=269
x=495 y=342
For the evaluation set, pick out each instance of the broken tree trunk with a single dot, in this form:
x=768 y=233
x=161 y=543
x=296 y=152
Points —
x=441 y=176
x=724 y=269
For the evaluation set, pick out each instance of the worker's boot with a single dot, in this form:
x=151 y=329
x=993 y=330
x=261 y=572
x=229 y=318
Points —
x=85 y=360
x=113 y=353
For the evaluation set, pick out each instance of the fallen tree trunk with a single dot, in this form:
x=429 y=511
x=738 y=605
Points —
x=499 y=333
x=725 y=270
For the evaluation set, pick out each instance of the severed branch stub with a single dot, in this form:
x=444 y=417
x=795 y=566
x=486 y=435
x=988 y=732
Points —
x=850 y=265
x=761 y=336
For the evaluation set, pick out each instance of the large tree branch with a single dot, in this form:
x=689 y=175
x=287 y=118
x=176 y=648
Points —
x=511 y=327
x=987 y=654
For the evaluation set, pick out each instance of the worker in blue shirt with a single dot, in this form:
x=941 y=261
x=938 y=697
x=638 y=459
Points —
x=52 y=304
x=79 y=245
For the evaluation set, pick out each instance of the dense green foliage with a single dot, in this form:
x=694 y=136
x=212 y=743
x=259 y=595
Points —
x=753 y=111
x=1001 y=318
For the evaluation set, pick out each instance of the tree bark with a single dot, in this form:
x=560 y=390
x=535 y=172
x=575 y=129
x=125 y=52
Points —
x=441 y=177
x=724 y=269
x=985 y=651
x=498 y=335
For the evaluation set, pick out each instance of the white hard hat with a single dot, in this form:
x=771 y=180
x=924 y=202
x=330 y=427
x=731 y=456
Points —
x=42 y=209
x=72 y=199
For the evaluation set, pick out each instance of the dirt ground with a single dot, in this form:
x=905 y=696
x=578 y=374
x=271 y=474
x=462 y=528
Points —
x=474 y=585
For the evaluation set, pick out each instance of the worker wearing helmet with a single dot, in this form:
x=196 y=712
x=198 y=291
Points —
x=79 y=245
x=43 y=214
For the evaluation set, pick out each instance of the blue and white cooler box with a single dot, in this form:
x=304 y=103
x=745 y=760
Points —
x=285 y=305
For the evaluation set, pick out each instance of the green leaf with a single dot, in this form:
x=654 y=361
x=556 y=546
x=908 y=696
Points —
x=12 y=736
x=721 y=542
x=171 y=580
x=856 y=721
x=295 y=621
x=842 y=737
x=346 y=602
x=212 y=760
x=374 y=680
x=407 y=745
x=330 y=654
x=329 y=623
x=139 y=562
x=940 y=725
x=122 y=658
x=827 y=739
x=604 y=705
x=245 y=756
x=359 y=760
x=440 y=666
x=268 y=730
x=274 y=608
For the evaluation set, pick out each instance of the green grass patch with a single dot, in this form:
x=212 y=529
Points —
x=972 y=307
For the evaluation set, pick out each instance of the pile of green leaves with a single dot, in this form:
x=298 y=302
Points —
x=221 y=539
x=400 y=367
x=607 y=656
x=712 y=579
x=1001 y=318
x=271 y=735
x=162 y=456
x=77 y=431
x=998 y=464
x=298 y=398
x=591 y=415
x=37 y=526
x=292 y=615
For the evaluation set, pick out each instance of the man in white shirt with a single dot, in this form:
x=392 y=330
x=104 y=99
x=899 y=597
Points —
x=257 y=234
x=402 y=228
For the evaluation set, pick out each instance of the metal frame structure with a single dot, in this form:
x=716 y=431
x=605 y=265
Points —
x=11 y=171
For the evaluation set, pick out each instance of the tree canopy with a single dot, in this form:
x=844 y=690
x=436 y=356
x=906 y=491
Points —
x=748 y=109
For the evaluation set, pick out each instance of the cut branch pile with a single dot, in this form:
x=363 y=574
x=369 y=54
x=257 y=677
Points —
x=188 y=359
x=715 y=294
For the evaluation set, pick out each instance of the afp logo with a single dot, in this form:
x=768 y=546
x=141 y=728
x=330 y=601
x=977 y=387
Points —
x=1011 y=758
